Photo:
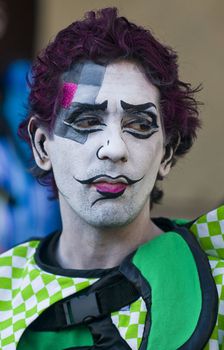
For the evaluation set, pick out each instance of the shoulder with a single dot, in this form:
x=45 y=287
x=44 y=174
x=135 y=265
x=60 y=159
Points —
x=17 y=258
x=209 y=231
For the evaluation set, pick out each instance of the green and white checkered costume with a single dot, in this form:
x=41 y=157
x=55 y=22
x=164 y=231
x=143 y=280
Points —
x=209 y=230
x=26 y=290
x=21 y=303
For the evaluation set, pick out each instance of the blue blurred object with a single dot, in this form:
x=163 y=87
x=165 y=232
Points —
x=25 y=210
x=15 y=104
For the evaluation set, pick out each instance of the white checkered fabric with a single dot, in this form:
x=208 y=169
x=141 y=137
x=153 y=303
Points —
x=130 y=321
x=209 y=230
x=26 y=291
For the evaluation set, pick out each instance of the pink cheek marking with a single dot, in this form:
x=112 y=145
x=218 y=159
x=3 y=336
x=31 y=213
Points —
x=68 y=92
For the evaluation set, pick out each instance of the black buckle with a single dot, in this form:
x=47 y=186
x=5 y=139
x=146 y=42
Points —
x=81 y=309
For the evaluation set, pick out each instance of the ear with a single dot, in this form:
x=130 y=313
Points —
x=166 y=163
x=39 y=139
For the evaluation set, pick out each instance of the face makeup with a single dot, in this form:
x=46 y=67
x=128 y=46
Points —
x=82 y=83
x=143 y=120
x=108 y=186
x=108 y=143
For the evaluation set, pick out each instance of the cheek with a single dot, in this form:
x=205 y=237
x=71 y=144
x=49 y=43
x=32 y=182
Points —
x=61 y=153
x=147 y=154
x=68 y=157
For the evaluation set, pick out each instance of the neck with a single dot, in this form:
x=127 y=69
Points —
x=82 y=246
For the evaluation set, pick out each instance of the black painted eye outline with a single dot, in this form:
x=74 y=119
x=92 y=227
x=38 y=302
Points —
x=140 y=135
x=74 y=124
x=138 y=122
x=151 y=127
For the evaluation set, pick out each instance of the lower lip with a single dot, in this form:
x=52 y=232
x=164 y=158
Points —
x=110 y=187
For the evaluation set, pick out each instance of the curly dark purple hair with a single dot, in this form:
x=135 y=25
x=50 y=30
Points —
x=104 y=37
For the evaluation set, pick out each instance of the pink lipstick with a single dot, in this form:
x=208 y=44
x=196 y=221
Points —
x=106 y=187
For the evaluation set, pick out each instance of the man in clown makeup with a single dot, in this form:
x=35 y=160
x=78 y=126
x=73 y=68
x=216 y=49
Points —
x=108 y=118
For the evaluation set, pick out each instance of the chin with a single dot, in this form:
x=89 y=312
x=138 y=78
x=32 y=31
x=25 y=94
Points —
x=110 y=218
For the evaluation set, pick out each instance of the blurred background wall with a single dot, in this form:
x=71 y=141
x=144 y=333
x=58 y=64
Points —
x=195 y=29
x=25 y=210
x=17 y=28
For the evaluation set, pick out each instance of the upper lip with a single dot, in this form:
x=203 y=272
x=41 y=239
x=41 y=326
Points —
x=109 y=179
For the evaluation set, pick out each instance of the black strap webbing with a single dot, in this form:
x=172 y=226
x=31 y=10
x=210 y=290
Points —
x=84 y=308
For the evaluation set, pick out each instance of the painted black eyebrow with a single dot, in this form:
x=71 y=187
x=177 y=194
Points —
x=91 y=107
x=139 y=108
x=80 y=108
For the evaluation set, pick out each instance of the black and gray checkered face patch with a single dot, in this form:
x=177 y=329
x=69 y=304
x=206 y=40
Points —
x=88 y=76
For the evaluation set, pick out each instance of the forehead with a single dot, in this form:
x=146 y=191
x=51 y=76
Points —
x=88 y=76
x=93 y=82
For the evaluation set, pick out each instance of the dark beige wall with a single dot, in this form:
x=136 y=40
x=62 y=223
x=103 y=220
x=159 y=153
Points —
x=195 y=29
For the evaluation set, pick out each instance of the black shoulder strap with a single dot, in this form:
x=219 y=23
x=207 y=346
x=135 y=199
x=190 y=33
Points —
x=109 y=294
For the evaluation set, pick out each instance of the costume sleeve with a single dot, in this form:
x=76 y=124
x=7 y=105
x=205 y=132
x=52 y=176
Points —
x=209 y=231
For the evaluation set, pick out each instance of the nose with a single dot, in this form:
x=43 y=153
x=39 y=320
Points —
x=113 y=148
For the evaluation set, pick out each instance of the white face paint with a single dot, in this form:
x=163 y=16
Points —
x=108 y=178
